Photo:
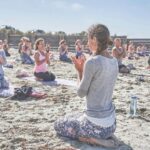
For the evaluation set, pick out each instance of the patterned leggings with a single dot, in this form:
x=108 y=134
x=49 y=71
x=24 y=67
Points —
x=70 y=126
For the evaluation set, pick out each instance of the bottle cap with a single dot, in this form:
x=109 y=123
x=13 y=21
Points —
x=134 y=97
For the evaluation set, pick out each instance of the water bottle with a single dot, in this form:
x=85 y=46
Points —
x=133 y=106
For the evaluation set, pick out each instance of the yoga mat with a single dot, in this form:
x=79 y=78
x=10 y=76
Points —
x=53 y=83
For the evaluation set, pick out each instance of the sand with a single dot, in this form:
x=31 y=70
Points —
x=28 y=125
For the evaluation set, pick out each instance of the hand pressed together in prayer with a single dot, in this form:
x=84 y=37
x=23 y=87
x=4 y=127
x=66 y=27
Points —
x=79 y=63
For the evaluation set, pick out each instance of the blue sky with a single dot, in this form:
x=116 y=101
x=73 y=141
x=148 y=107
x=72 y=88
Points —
x=123 y=17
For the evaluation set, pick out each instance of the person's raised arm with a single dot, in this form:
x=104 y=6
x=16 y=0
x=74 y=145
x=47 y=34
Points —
x=87 y=76
x=79 y=64
x=48 y=58
x=85 y=73
x=124 y=53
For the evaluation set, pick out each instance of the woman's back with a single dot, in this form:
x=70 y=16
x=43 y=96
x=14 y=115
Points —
x=97 y=79
x=103 y=73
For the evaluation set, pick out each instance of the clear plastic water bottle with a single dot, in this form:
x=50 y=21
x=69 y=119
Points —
x=133 y=106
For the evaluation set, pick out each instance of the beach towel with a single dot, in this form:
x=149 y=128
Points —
x=7 y=92
x=66 y=82
x=61 y=82
x=21 y=74
x=56 y=82
x=38 y=95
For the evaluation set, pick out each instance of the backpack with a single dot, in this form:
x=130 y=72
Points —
x=22 y=93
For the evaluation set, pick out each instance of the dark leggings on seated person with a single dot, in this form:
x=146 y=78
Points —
x=45 y=76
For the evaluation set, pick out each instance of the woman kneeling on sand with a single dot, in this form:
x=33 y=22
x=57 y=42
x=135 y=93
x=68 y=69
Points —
x=42 y=59
x=97 y=79
x=119 y=52
x=63 y=51
x=25 y=51
x=3 y=82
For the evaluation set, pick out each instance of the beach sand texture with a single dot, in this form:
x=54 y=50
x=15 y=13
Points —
x=29 y=124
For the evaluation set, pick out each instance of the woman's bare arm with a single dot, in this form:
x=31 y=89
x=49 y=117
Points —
x=37 y=60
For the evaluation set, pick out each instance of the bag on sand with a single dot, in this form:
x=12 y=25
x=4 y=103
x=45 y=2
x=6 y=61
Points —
x=124 y=69
x=22 y=93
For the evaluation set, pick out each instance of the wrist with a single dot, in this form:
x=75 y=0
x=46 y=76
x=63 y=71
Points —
x=80 y=75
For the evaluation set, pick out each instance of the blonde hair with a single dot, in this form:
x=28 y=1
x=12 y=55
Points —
x=37 y=43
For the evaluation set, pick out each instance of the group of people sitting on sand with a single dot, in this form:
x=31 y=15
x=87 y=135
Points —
x=136 y=51
x=42 y=54
x=97 y=76
x=118 y=51
x=63 y=50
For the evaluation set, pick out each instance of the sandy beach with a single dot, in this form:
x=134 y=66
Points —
x=29 y=124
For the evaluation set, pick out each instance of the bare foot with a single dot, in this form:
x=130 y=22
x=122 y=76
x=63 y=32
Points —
x=110 y=143
x=38 y=79
x=116 y=140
